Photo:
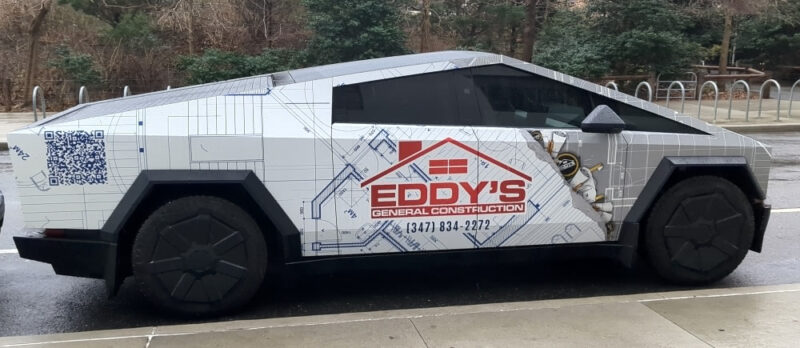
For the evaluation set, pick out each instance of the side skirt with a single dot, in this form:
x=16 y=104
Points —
x=624 y=253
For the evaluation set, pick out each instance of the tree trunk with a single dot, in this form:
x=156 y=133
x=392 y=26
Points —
x=268 y=23
x=512 y=42
x=7 y=94
x=33 y=48
x=425 y=33
x=191 y=27
x=726 y=42
x=529 y=31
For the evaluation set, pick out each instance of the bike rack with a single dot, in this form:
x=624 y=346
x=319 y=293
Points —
x=44 y=105
x=730 y=99
x=683 y=93
x=649 y=90
x=613 y=84
x=791 y=97
x=761 y=96
x=716 y=98
x=83 y=95
x=126 y=91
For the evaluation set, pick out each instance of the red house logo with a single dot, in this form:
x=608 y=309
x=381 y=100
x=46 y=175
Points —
x=457 y=195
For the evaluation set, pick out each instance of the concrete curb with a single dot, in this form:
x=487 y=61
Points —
x=759 y=128
x=363 y=318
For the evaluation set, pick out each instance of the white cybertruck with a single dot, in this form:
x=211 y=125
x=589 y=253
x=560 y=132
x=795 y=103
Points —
x=196 y=191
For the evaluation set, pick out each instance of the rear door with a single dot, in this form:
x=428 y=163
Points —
x=406 y=167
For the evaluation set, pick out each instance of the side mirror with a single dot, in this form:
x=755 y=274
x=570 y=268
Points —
x=602 y=120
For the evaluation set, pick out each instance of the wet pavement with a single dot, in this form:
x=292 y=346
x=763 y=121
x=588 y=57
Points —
x=33 y=300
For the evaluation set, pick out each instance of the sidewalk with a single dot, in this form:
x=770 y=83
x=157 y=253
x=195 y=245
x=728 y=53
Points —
x=12 y=121
x=751 y=316
x=742 y=120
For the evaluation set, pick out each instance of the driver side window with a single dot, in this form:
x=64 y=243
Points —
x=512 y=98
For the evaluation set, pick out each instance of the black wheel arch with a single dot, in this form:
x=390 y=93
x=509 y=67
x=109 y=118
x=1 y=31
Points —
x=153 y=188
x=673 y=169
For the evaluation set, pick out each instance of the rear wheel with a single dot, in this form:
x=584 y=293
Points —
x=199 y=255
x=699 y=230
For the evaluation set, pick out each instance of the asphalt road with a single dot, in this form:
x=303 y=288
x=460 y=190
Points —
x=33 y=300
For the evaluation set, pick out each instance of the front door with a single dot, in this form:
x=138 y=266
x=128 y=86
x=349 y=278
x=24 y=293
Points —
x=530 y=127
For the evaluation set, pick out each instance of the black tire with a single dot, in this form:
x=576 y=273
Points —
x=199 y=255
x=699 y=230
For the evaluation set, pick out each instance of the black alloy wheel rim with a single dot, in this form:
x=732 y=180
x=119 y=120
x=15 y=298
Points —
x=199 y=259
x=703 y=232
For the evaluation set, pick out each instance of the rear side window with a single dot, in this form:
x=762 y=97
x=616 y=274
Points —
x=441 y=98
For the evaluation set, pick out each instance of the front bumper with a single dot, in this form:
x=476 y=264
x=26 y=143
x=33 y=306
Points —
x=761 y=213
x=69 y=256
x=2 y=209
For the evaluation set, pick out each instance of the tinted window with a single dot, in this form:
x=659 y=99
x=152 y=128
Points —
x=644 y=121
x=441 y=98
x=512 y=98
x=494 y=95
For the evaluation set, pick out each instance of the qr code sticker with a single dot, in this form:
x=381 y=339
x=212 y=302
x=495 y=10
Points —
x=76 y=157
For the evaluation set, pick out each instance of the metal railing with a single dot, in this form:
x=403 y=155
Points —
x=700 y=97
x=83 y=95
x=791 y=96
x=761 y=97
x=683 y=93
x=747 y=96
x=39 y=104
x=37 y=93
x=732 y=88
x=649 y=90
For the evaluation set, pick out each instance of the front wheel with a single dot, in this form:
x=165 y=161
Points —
x=199 y=255
x=699 y=230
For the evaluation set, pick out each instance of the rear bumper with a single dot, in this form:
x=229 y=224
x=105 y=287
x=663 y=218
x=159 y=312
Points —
x=69 y=256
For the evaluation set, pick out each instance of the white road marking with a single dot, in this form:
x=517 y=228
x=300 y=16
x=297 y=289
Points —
x=719 y=295
x=8 y=251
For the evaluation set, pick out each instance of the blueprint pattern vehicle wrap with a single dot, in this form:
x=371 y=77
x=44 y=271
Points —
x=359 y=188
x=446 y=190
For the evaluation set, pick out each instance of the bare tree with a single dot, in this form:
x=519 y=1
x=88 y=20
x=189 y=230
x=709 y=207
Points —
x=33 y=47
x=190 y=32
x=266 y=10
